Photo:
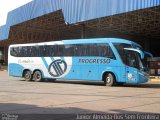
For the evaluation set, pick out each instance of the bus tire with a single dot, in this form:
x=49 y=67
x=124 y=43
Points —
x=37 y=76
x=27 y=75
x=109 y=79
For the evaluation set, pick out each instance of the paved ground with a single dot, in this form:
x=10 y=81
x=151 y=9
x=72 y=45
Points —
x=19 y=96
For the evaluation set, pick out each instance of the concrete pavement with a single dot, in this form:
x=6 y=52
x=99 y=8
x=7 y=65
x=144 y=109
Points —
x=73 y=97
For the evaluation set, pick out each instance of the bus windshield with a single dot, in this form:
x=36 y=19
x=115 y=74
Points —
x=130 y=58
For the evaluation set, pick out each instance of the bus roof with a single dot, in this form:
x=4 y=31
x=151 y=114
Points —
x=81 y=41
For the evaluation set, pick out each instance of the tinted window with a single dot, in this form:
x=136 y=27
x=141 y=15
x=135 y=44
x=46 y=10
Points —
x=102 y=50
x=31 y=51
x=53 y=50
x=43 y=51
x=120 y=49
x=132 y=59
x=69 y=50
x=14 y=51
x=24 y=52
x=105 y=51
x=60 y=51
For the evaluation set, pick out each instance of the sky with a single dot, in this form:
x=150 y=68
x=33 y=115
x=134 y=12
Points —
x=9 y=5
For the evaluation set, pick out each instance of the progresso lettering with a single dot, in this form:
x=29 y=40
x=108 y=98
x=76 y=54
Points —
x=94 y=61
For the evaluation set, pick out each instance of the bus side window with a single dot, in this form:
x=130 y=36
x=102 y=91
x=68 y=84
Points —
x=87 y=49
x=108 y=51
x=69 y=50
x=28 y=54
x=100 y=49
x=105 y=51
x=83 y=50
x=46 y=50
x=14 y=51
x=42 y=51
x=61 y=50
x=17 y=52
x=34 y=52
x=11 y=51
x=53 y=50
x=27 y=51
x=79 y=50
x=75 y=50
x=94 y=51
x=23 y=52
x=37 y=51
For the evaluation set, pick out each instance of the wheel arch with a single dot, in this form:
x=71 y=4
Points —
x=25 y=71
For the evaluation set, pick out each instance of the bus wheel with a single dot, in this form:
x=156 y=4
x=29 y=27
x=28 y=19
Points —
x=37 y=76
x=28 y=75
x=109 y=79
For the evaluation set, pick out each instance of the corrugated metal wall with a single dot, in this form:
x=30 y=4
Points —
x=73 y=10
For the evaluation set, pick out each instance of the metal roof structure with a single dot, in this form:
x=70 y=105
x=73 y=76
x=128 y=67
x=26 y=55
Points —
x=73 y=11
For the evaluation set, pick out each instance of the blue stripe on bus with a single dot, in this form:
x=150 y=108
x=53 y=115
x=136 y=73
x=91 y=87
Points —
x=52 y=58
x=62 y=58
x=45 y=63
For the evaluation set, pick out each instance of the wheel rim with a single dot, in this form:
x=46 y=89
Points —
x=108 y=80
x=38 y=76
x=27 y=76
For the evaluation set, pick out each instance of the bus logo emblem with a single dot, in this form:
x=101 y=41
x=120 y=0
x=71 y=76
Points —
x=57 y=68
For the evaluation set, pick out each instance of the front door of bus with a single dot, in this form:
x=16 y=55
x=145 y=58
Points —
x=131 y=67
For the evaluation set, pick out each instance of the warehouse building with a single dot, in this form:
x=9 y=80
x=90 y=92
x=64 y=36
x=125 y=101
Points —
x=52 y=20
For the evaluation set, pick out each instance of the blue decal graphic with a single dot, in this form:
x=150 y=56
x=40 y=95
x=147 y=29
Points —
x=57 y=68
x=45 y=62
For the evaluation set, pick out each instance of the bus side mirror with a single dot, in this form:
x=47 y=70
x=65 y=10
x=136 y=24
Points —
x=148 y=55
x=136 y=50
